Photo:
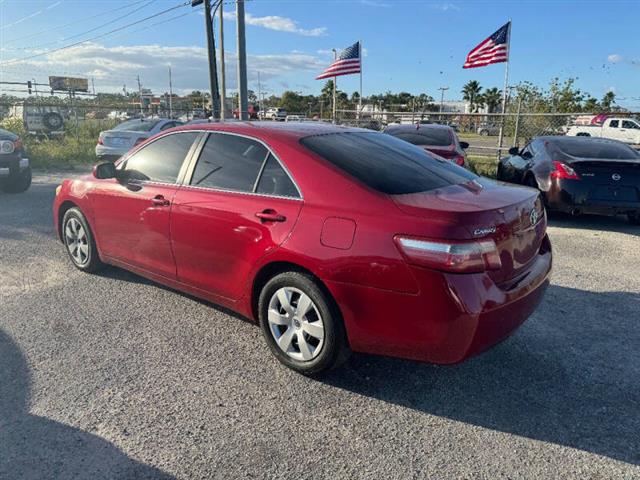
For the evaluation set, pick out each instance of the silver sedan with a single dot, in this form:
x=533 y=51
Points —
x=114 y=143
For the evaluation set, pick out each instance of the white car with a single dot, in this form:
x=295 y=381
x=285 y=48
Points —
x=295 y=118
x=275 y=113
x=625 y=130
x=114 y=143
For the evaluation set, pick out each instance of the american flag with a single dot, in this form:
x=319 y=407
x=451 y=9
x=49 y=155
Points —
x=494 y=49
x=347 y=62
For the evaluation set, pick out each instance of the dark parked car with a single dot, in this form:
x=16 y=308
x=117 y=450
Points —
x=578 y=174
x=332 y=238
x=15 y=172
x=439 y=139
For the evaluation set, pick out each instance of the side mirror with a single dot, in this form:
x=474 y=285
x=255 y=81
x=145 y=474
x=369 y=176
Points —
x=514 y=151
x=104 y=170
x=464 y=145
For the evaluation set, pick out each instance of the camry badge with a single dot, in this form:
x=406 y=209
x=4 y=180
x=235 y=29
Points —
x=484 y=231
x=533 y=216
x=616 y=176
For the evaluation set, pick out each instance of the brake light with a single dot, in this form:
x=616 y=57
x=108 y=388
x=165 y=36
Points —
x=459 y=159
x=563 y=171
x=458 y=257
x=100 y=140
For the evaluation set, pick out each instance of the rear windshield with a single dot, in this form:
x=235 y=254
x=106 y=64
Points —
x=437 y=137
x=590 y=148
x=385 y=163
x=136 y=125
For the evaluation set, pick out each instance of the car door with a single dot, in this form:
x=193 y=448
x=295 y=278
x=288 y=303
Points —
x=237 y=204
x=613 y=130
x=131 y=213
x=629 y=132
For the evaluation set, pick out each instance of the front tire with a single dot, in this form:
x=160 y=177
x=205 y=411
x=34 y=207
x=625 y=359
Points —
x=301 y=324
x=79 y=241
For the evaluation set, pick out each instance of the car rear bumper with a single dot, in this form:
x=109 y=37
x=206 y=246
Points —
x=580 y=196
x=453 y=317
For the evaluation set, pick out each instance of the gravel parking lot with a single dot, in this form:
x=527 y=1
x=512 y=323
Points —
x=112 y=376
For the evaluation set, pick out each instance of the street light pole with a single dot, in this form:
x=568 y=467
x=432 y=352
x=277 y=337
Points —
x=223 y=87
x=211 y=53
x=335 y=57
x=442 y=90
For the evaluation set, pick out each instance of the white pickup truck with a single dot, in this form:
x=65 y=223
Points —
x=626 y=130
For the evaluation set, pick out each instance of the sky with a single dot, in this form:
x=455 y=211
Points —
x=409 y=45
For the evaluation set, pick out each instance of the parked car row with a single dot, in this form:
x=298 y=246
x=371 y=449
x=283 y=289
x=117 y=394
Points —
x=15 y=170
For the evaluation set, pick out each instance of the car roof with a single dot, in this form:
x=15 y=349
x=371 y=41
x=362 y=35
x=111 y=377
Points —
x=288 y=130
x=560 y=139
x=421 y=126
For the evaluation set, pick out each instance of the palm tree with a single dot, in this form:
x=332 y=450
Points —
x=492 y=98
x=471 y=93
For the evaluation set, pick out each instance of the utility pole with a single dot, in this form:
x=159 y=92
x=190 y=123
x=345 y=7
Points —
x=442 y=90
x=211 y=50
x=242 y=61
x=223 y=87
x=140 y=95
x=260 y=94
x=170 y=95
x=335 y=81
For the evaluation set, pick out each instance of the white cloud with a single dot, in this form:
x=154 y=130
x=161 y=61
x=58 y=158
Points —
x=445 y=7
x=615 y=58
x=281 y=24
x=111 y=67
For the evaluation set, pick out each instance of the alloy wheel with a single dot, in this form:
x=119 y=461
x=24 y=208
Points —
x=296 y=324
x=77 y=241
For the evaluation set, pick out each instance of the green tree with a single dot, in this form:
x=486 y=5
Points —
x=492 y=98
x=471 y=93
x=608 y=100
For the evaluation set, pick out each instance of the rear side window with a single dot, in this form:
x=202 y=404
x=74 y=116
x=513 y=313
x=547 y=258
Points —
x=385 y=163
x=161 y=160
x=434 y=137
x=614 y=123
x=591 y=148
x=229 y=162
x=136 y=126
x=275 y=181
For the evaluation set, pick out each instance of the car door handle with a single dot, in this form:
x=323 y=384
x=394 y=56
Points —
x=270 y=216
x=160 y=201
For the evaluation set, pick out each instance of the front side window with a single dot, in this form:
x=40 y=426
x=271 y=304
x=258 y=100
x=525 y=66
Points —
x=229 y=162
x=161 y=160
x=628 y=124
x=385 y=163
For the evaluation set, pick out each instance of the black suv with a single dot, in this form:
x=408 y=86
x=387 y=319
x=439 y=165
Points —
x=15 y=172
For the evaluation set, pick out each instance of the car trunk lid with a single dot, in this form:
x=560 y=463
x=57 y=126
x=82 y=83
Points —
x=513 y=217
x=613 y=180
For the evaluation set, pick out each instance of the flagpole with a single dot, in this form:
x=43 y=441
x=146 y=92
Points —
x=360 y=98
x=335 y=57
x=504 y=92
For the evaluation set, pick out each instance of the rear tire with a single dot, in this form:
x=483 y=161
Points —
x=79 y=242
x=301 y=324
x=20 y=184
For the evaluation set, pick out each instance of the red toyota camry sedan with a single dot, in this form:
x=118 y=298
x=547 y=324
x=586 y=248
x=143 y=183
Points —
x=333 y=239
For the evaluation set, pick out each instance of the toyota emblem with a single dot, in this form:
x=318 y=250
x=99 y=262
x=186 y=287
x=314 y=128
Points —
x=616 y=176
x=533 y=216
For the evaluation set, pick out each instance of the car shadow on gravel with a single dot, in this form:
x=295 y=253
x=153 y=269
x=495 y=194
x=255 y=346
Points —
x=33 y=447
x=569 y=376
x=618 y=224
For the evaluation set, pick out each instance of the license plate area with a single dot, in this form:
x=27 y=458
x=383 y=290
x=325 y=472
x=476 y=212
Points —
x=615 y=193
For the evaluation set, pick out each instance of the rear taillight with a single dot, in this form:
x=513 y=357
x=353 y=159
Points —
x=458 y=257
x=459 y=159
x=563 y=171
x=100 y=140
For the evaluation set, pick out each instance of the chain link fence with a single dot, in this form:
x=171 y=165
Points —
x=66 y=133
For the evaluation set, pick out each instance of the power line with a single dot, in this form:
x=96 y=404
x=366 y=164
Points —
x=18 y=60
x=79 y=20
x=37 y=47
